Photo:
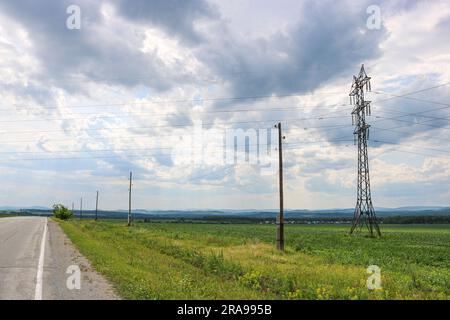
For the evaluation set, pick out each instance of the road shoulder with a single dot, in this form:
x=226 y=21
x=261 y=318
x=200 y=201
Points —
x=60 y=255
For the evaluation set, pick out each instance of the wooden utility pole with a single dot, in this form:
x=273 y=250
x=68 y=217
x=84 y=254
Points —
x=280 y=219
x=73 y=207
x=96 y=206
x=81 y=208
x=129 y=199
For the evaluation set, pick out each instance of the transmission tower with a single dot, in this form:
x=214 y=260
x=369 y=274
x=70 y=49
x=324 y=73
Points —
x=364 y=213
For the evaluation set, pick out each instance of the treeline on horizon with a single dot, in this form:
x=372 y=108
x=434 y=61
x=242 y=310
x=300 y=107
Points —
x=237 y=219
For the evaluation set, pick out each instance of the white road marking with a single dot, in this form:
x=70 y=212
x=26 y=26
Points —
x=40 y=269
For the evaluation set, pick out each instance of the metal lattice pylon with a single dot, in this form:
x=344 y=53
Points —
x=364 y=212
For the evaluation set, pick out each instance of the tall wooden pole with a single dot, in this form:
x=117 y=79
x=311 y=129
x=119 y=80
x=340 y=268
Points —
x=129 y=199
x=81 y=208
x=96 y=206
x=280 y=220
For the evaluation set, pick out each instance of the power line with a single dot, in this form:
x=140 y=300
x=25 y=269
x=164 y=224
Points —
x=167 y=101
x=287 y=109
x=418 y=113
x=140 y=155
x=289 y=146
x=168 y=135
x=219 y=99
x=413 y=98
x=247 y=110
x=260 y=121
x=240 y=122
x=160 y=148
x=208 y=147
x=96 y=115
x=271 y=120
x=406 y=133
x=414 y=92
x=411 y=152
x=161 y=126
x=410 y=146
x=414 y=123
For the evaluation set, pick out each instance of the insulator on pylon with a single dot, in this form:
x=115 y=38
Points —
x=350 y=100
x=368 y=132
x=370 y=112
x=367 y=86
x=370 y=89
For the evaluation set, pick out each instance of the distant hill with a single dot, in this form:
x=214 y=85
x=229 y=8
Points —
x=11 y=208
x=252 y=214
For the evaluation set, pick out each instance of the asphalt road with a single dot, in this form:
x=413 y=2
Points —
x=38 y=261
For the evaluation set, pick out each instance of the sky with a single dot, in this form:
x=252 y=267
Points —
x=185 y=94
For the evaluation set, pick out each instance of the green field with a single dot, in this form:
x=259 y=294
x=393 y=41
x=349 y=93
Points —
x=213 y=261
x=6 y=215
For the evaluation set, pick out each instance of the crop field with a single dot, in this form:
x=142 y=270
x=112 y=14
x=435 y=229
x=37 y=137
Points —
x=219 y=261
x=6 y=215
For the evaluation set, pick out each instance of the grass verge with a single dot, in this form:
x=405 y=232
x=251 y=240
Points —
x=190 y=261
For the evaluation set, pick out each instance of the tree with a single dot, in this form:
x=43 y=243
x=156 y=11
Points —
x=62 y=212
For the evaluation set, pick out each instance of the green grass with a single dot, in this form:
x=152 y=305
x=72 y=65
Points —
x=207 y=261
x=7 y=215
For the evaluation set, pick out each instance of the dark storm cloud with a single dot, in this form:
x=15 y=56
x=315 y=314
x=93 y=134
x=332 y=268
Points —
x=174 y=16
x=59 y=49
x=94 y=53
x=329 y=38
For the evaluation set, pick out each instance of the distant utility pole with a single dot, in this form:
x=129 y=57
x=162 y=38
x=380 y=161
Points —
x=129 y=199
x=81 y=208
x=73 y=205
x=96 y=206
x=280 y=219
x=364 y=212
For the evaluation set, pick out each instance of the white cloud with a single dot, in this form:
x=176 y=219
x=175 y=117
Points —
x=118 y=95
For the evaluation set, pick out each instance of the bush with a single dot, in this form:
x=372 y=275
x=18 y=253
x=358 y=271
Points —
x=62 y=212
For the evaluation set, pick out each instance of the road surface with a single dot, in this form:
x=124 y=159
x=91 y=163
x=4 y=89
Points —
x=35 y=256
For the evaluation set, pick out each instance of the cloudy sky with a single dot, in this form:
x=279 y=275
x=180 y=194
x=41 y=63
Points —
x=154 y=87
